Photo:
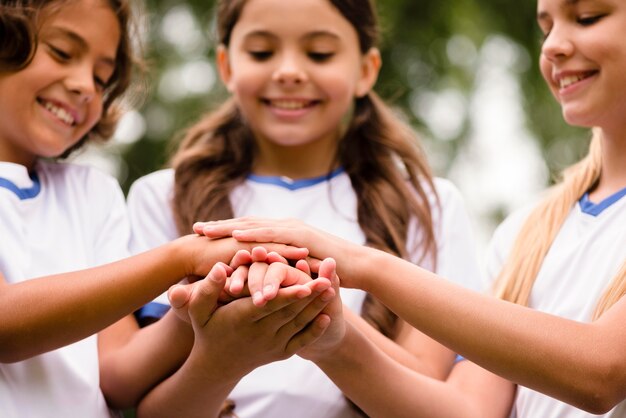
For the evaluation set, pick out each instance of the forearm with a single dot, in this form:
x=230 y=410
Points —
x=523 y=345
x=43 y=314
x=429 y=358
x=197 y=389
x=382 y=387
x=152 y=354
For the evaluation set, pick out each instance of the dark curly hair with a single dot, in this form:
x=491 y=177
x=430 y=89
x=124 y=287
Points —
x=20 y=21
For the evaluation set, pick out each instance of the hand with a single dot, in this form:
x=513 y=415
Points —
x=295 y=233
x=200 y=253
x=242 y=336
x=336 y=331
x=241 y=262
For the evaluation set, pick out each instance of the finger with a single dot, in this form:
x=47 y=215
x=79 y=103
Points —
x=310 y=309
x=303 y=266
x=205 y=294
x=328 y=268
x=288 y=252
x=290 y=296
x=281 y=275
x=308 y=335
x=259 y=254
x=178 y=296
x=274 y=257
x=256 y=274
x=241 y=257
x=238 y=280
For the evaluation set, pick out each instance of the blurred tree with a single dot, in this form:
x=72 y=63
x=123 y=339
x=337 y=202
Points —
x=431 y=60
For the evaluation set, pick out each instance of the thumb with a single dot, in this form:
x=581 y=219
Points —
x=205 y=294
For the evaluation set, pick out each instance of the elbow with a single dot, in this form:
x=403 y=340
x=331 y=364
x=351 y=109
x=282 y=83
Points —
x=10 y=353
x=605 y=389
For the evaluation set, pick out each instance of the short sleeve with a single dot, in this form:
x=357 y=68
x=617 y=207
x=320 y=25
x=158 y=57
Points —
x=150 y=211
x=457 y=258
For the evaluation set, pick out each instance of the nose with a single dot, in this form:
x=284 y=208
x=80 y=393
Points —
x=80 y=81
x=289 y=71
x=558 y=44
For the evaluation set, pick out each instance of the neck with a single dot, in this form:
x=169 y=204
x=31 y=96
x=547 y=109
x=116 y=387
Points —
x=613 y=177
x=313 y=159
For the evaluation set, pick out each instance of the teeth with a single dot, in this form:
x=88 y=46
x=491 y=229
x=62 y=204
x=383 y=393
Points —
x=289 y=104
x=569 y=80
x=59 y=113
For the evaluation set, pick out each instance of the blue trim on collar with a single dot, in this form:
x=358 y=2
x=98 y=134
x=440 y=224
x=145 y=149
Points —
x=295 y=184
x=23 y=193
x=595 y=209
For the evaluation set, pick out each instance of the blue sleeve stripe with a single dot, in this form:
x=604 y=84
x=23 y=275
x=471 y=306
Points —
x=152 y=310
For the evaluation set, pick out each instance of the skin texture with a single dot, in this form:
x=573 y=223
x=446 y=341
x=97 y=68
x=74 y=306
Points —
x=294 y=70
x=72 y=65
x=581 y=41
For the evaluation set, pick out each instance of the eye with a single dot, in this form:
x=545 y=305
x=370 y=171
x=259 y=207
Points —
x=261 y=55
x=321 y=56
x=59 y=53
x=589 y=20
x=101 y=85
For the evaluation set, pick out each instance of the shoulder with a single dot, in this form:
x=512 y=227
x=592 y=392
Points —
x=447 y=192
x=77 y=176
x=158 y=183
x=159 y=178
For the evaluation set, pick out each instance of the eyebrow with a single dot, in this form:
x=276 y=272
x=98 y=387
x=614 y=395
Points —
x=308 y=36
x=74 y=37
x=566 y=3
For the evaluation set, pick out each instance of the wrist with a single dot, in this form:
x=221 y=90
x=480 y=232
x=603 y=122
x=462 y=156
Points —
x=183 y=254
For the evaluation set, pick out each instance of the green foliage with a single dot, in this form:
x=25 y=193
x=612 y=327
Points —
x=416 y=44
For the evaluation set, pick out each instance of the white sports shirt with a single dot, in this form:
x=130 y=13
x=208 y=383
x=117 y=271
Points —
x=584 y=258
x=296 y=387
x=65 y=217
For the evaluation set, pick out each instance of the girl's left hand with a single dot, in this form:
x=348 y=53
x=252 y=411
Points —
x=336 y=331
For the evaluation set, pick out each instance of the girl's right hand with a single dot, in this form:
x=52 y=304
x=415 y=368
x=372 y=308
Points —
x=244 y=336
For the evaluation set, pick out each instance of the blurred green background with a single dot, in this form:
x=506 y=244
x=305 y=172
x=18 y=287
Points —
x=464 y=73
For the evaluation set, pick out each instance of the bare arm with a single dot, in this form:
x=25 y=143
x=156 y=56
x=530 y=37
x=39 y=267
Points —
x=234 y=340
x=46 y=313
x=133 y=360
x=383 y=387
x=536 y=352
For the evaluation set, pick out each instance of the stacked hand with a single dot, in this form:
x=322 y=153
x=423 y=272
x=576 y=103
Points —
x=260 y=309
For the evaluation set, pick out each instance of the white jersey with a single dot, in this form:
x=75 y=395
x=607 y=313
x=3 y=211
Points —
x=296 y=387
x=584 y=258
x=62 y=218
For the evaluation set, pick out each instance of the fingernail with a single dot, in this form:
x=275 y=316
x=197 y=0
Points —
x=268 y=289
x=257 y=298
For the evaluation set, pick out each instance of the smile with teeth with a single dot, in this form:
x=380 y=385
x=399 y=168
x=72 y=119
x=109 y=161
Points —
x=290 y=104
x=62 y=114
x=572 y=79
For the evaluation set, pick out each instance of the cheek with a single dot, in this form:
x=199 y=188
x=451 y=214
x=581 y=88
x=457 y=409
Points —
x=546 y=71
x=94 y=116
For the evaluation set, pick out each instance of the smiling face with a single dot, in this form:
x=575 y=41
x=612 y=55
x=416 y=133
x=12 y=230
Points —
x=584 y=58
x=53 y=102
x=294 y=69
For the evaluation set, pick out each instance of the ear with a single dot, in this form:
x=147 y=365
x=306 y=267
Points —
x=223 y=66
x=370 y=67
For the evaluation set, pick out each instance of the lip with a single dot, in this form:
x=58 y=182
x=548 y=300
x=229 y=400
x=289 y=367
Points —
x=290 y=107
x=72 y=112
x=574 y=80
